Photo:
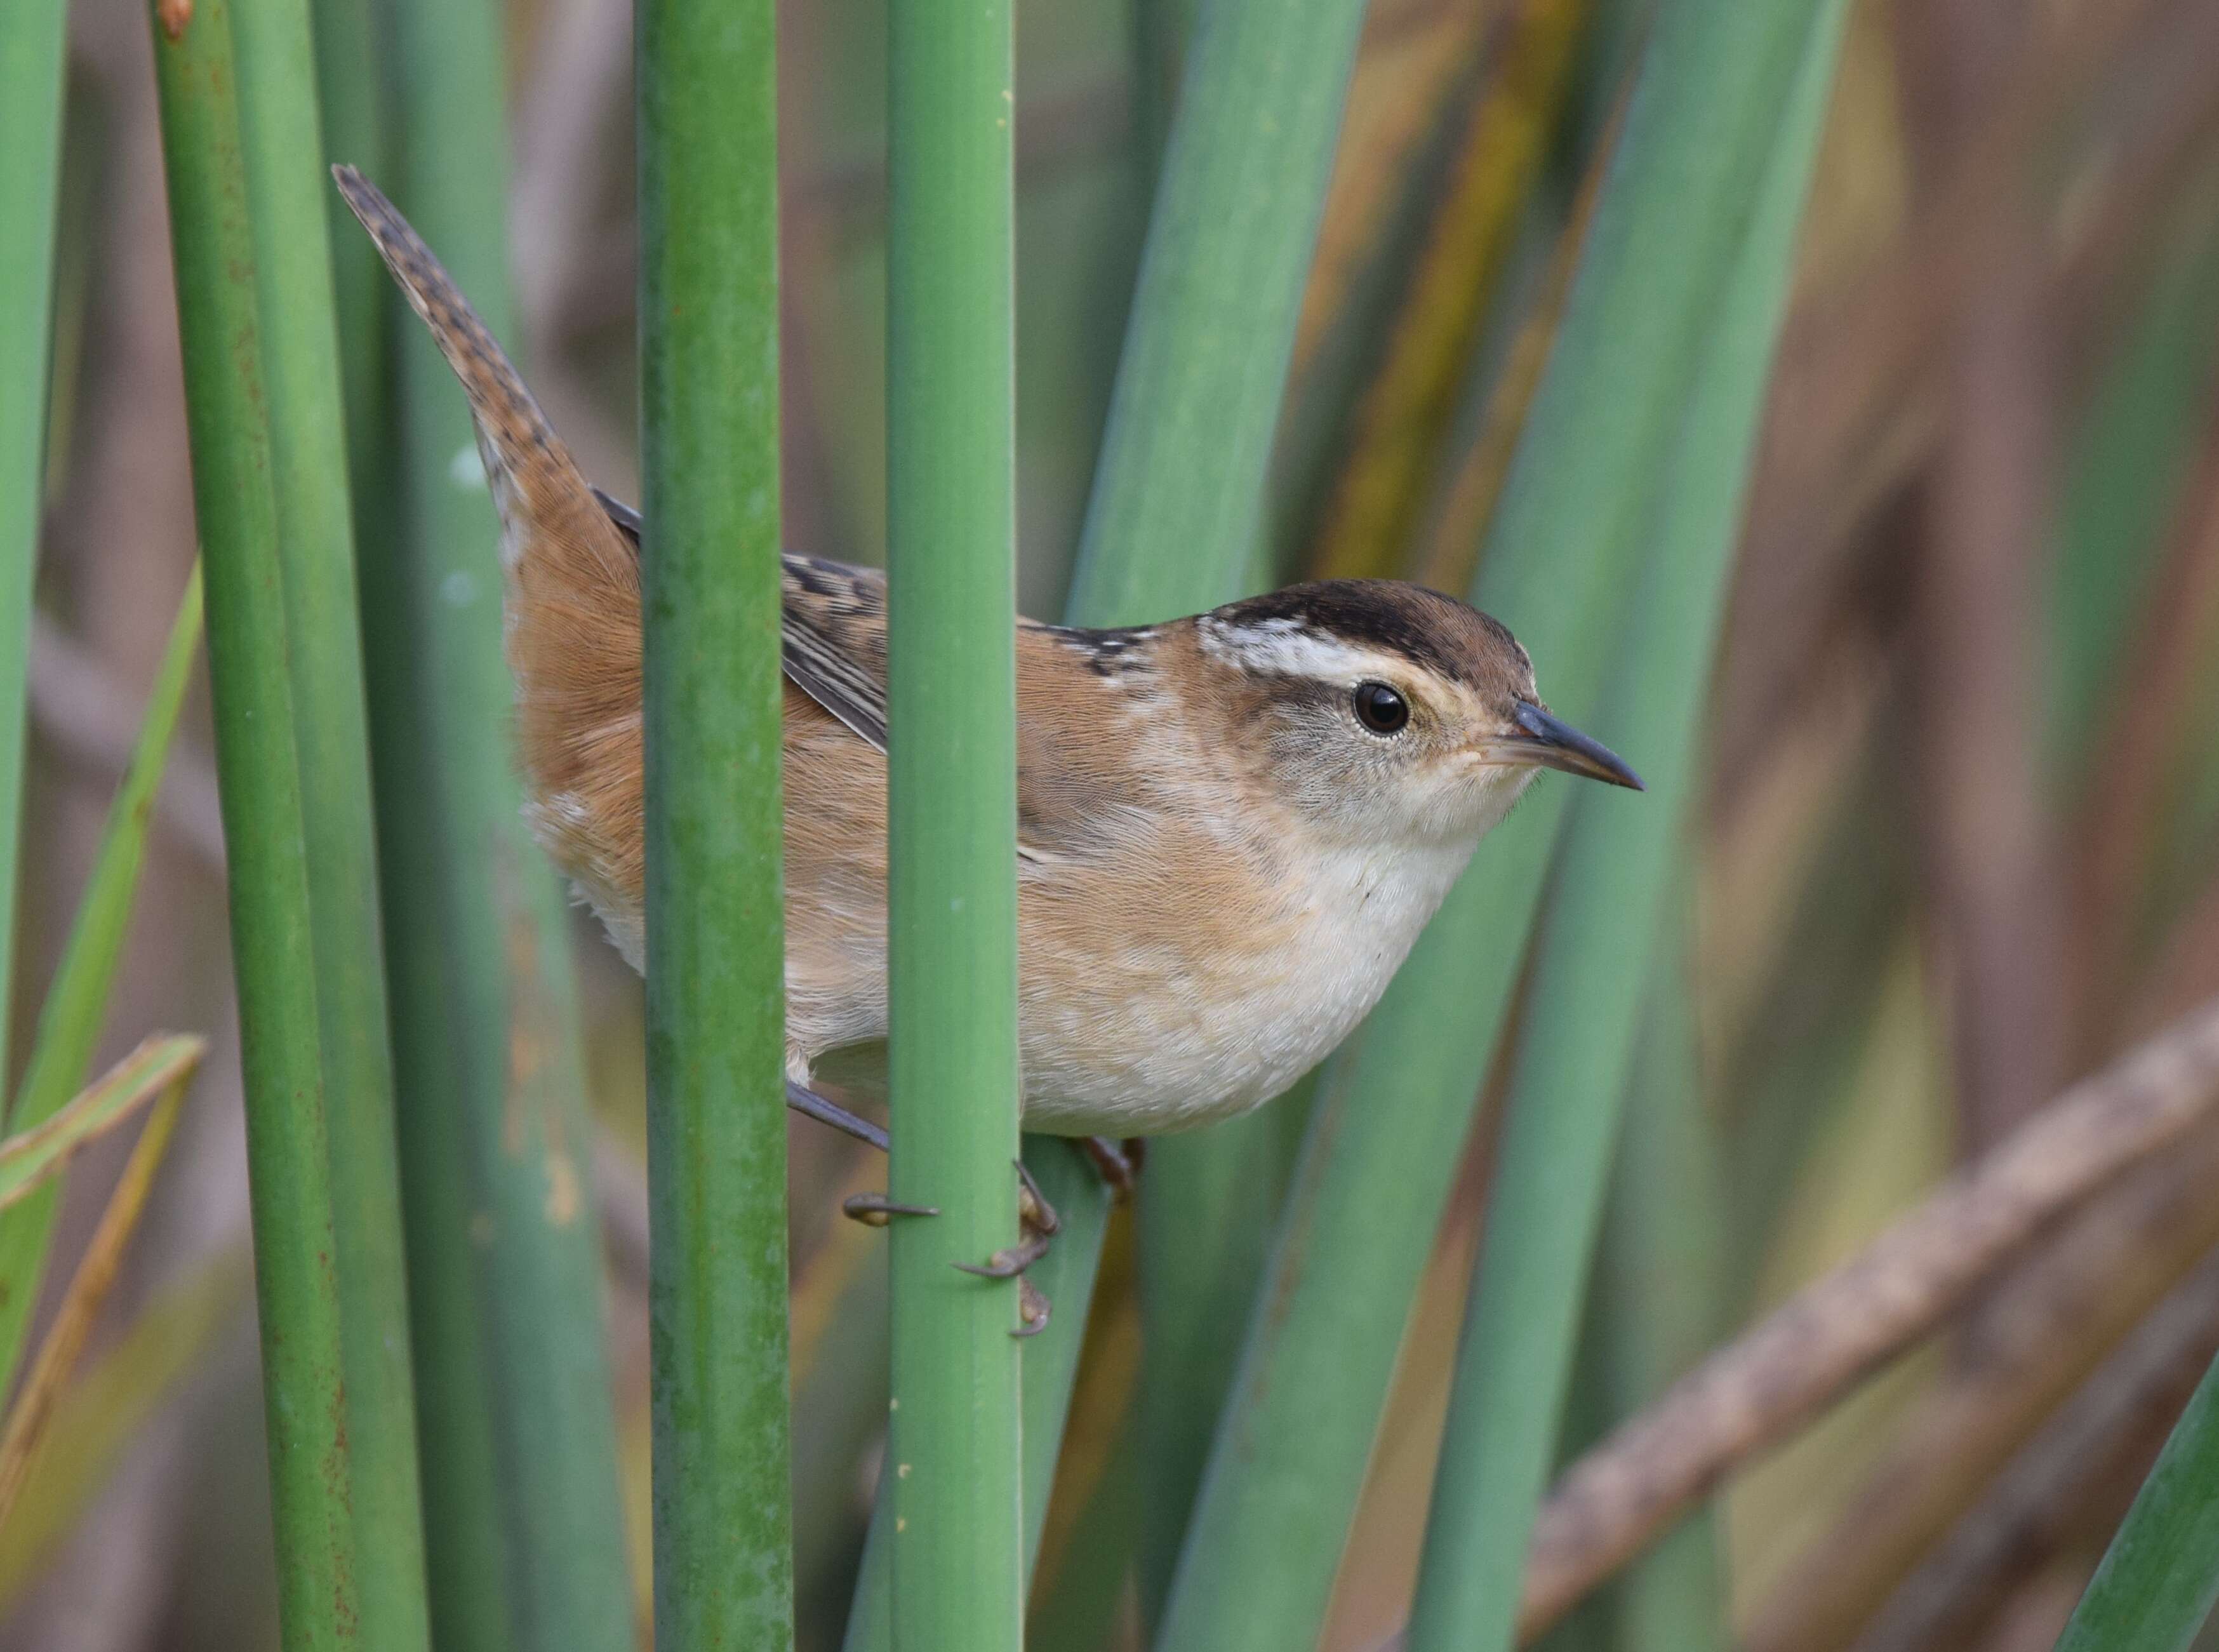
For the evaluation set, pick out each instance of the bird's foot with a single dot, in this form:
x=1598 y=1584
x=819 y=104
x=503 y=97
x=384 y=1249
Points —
x=1037 y=1226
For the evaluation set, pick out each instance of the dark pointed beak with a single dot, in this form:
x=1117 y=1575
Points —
x=1559 y=745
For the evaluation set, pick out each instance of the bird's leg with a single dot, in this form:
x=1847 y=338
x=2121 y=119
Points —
x=1117 y=1163
x=874 y=1209
x=1037 y=1222
x=807 y=1102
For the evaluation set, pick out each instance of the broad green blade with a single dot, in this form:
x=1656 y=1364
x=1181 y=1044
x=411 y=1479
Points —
x=288 y=189
x=524 y=1521
x=312 y=1443
x=1179 y=503
x=1579 y=516
x=1612 y=878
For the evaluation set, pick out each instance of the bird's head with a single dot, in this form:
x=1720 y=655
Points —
x=1384 y=711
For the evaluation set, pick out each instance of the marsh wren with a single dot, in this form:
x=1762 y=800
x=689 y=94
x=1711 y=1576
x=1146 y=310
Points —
x=1231 y=828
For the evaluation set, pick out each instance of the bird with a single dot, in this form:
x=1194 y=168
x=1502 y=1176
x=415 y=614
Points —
x=1231 y=826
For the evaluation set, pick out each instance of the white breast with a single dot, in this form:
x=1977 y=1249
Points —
x=1204 y=1045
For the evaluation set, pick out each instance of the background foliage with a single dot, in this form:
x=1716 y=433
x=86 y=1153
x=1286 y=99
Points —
x=1951 y=806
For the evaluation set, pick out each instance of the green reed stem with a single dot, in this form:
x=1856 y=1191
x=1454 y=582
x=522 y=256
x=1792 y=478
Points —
x=1172 y=527
x=281 y=140
x=31 y=56
x=312 y=1448
x=517 y=1422
x=715 y=979
x=954 y=1465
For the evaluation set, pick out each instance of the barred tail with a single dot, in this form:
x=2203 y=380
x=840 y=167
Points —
x=571 y=582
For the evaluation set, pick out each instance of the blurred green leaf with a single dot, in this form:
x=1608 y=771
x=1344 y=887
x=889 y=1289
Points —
x=517 y=1435
x=2129 y=453
x=99 y=1413
x=1574 y=1058
x=2161 y=1577
x=1611 y=434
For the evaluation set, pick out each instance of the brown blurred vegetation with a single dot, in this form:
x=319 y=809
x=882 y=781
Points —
x=1964 y=743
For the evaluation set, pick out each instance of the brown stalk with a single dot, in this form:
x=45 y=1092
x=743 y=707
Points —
x=1409 y=87
x=1396 y=430
x=1854 y=407
x=2128 y=790
x=2046 y=1330
x=1993 y=903
x=1757 y=1390
x=1449 y=553
x=2085 y=1462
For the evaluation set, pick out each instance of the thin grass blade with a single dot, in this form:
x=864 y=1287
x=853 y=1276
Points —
x=98 y=1416
x=1660 y=1275
x=34 y=1401
x=30 y=1158
x=76 y=1006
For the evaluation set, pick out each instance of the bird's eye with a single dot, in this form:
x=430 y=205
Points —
x=1380 y=709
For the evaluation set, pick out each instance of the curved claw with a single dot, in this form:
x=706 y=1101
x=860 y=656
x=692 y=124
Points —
x=1032 y=1310
x=1035 y=1214
x=1010 y=1263
x=876 y=1210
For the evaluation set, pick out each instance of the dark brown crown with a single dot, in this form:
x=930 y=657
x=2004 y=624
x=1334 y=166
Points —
x=1434 y=632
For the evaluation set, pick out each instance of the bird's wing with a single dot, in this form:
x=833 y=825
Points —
x=832 y=632
x=833 y=637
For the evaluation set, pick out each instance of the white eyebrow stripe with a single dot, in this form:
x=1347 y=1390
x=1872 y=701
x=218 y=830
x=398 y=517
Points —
x=1288 y=648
